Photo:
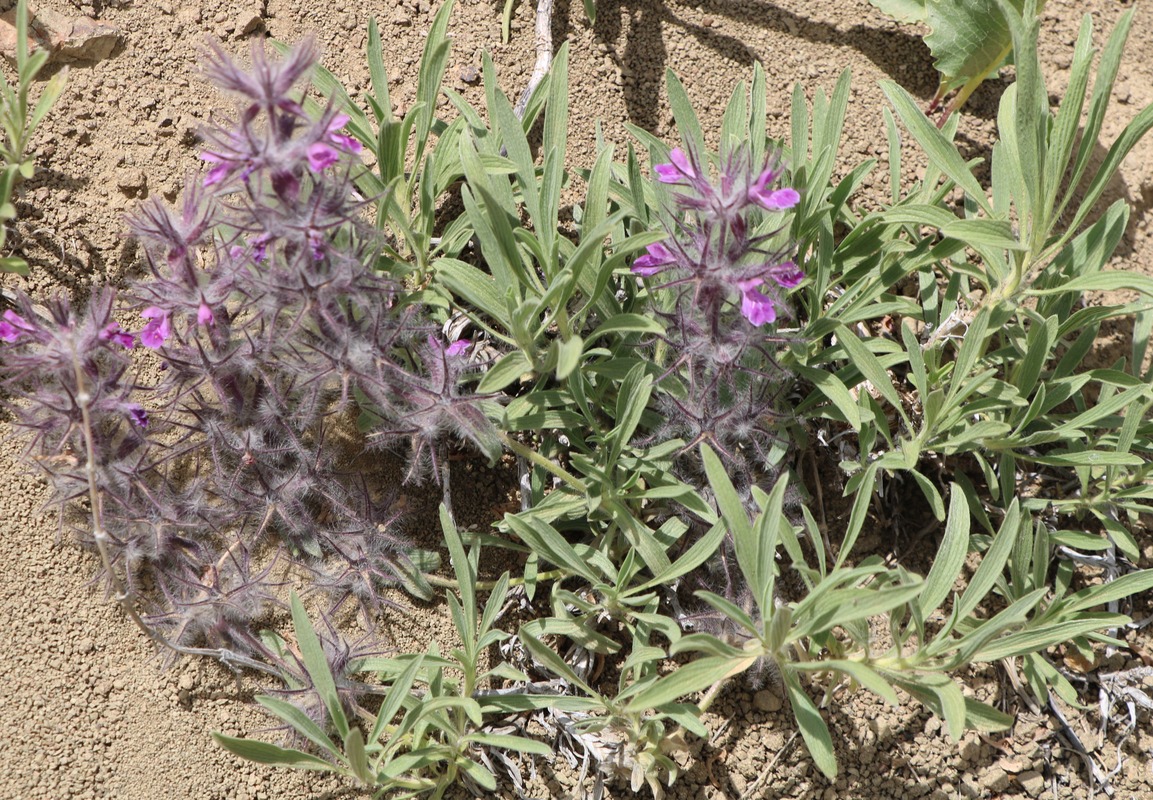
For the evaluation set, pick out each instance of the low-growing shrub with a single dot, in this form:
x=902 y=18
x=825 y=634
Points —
x=660 y=368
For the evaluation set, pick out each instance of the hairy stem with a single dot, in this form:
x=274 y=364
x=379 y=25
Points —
x=124 y=596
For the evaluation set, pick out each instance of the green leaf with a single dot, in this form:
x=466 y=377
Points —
x=1031 y=120
x=1090 y=458
x=870 y=368
x=357 y=757
x=548 y=657
x=969 y=39
x=591 y=11
x=413 y=579
x=546 y=540
x=813 y=727
x=568 y=356
x=950 y=702
x=493 y=223
x=466 y=704
x=300 y=722
x=1120 y=148
x=433 y=62
x=902 y=10
x=861 y=673
x=942 y=153
x=1068 y=119
x=832 y=388
x=507 y=742
x=968 y=647
x=464 y=568
x=555 y=137
x=984 y=717
x=950 y=558
x=264 y=753
x=705 y=547
x=992 y=563
x=378 y=77
x=688 y=124
x=1107 y=281
x=472 y=286
x=1118 y=589
x=316 y=663
x=1032 y=641
x=14 y=264
x=634 y=395
x=626 y=324
x=692 y=677
x=394 y=699
x=1107 y=68
x=844 y=606
x=509 y=368
x=483 y=778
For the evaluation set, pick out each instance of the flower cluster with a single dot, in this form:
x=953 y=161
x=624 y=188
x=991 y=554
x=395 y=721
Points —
x=70 y=365
x=714 y=251
x=290 y=138
x=271 y=324
x=722 y=277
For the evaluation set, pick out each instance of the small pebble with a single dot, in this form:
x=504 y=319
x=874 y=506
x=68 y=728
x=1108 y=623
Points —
x=764 y=700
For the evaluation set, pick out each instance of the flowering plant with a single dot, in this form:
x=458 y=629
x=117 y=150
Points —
x=664 y=370
x=713 y=252
x=271 y=326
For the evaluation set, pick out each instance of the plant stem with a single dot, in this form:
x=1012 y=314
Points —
x=536 y=458
x=124 y=597
x=488 y=586
x=711 y=695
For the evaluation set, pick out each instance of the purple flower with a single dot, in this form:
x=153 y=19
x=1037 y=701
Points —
x=787 y=275
x=321 y=156
x=137 y=414
x=112 y=333
x=222 y=169
x=342 y=140
x=776 y=200
x=756 y=306
x=680 y=169
x=450 y=349
x=458 y=347
x=204 y=315
x=13 y=326
x=657 y=258
x=317 y=244
x=260 y=247
x=772 y=200
x=157 y=329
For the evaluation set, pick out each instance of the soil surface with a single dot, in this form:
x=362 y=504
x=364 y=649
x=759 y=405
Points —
x=89 y=710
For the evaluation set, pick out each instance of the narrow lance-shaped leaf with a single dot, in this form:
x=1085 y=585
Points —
x=312 y=653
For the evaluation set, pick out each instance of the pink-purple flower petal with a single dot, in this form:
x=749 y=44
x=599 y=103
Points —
x=13 y=326
x=204 y=315
x=787 y=275
x=655 y=259
x=756 y=306
x=458 y=347
x=112 y=333
x=137 y=414
x=777 y=200
x=321 y=156
x=677 y=171
x=157 y=329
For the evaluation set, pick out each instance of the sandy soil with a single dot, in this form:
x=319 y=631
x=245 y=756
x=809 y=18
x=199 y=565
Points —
x=89 y=712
